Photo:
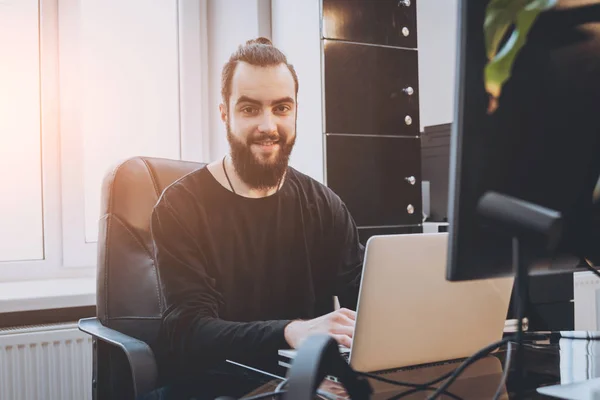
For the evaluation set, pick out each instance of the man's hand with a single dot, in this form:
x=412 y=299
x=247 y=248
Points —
x=339 y=324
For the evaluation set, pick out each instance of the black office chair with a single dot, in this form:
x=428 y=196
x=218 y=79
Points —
x=129 y=300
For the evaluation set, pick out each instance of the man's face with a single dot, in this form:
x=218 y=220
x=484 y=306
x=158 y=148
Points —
x=261 y=123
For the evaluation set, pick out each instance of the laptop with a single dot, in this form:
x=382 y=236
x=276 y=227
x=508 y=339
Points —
x=408 y=314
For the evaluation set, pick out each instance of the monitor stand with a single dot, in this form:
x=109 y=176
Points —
x=524 y=222
x=522 y=219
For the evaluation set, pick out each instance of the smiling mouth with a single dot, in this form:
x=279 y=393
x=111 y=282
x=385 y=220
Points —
x=267 y=142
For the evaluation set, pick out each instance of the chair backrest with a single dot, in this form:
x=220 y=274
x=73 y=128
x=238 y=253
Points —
x=129 y=297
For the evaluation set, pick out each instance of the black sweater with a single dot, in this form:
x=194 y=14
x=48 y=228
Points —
x=235 y=271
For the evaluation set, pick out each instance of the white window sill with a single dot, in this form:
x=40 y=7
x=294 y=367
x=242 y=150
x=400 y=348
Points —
x=47 y=294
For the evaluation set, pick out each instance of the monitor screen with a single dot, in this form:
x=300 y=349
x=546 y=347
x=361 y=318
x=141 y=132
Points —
x=540 y=144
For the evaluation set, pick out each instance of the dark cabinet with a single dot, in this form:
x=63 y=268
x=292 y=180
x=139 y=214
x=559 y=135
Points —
x=383 y=22
x=379 y=178
x=370 y=90
x=371 y=118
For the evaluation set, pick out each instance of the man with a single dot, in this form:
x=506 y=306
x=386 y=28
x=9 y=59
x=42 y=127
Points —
x=250 y=251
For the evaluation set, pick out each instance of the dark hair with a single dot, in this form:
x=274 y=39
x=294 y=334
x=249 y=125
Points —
x=258 y=52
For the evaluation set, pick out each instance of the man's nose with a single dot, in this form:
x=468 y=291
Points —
x=267 y=123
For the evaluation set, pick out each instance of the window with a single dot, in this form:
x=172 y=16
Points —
x=87 y=85
x=21 y=230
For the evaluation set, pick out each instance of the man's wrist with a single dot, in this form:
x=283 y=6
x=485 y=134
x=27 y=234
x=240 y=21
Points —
x=290 y=332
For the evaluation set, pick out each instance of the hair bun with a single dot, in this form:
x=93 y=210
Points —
x=260 y=40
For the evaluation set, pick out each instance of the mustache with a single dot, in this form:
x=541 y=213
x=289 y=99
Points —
x=266 y=136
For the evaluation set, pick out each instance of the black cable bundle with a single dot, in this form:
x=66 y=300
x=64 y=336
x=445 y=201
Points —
x=319 y=360
x=449 y=377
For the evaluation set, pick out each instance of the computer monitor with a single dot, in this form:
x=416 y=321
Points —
x=541 y=145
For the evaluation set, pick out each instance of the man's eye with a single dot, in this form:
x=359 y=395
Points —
x=282 y=108
x=248 y=110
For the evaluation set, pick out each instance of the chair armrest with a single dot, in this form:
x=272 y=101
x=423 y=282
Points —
x=140 y=356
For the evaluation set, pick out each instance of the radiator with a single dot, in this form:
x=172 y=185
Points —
x=45 y=362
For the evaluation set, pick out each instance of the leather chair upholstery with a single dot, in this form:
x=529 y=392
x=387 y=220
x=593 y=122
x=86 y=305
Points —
x=129 y=299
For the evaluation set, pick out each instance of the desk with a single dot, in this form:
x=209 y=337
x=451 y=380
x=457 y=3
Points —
x=549 y=360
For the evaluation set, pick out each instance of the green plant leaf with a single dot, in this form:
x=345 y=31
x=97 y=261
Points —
x=500 y=16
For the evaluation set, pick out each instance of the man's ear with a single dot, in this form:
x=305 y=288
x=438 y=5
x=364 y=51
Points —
x=223 y=112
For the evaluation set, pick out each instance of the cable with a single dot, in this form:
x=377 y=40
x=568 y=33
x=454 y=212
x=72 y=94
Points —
x=475 y=357
x=451 y=376
x=423 y=385
x=417 y=387
x=320 y=393
x=591 y=267
x=413 y=391
x=281 y=385
x=327 y=396
x=505 y=373
x=265 y=395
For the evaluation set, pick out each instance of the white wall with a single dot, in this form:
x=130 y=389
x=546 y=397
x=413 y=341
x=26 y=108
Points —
x=230 y=24
x=295 y=27
x=436 y=30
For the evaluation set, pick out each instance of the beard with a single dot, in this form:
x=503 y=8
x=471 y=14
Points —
x=256 y=173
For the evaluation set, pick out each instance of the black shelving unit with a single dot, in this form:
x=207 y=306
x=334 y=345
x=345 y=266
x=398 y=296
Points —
x=371 y=123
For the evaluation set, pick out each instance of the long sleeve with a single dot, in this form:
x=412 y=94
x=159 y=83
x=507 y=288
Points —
x=348 y=256
x=192 y=330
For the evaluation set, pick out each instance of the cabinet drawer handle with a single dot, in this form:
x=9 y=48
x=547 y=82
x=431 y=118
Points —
x=408 y=120
x=404 y=3
x=408 y=91
x=405 y=32
x=411 y=180
x=410 y=209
